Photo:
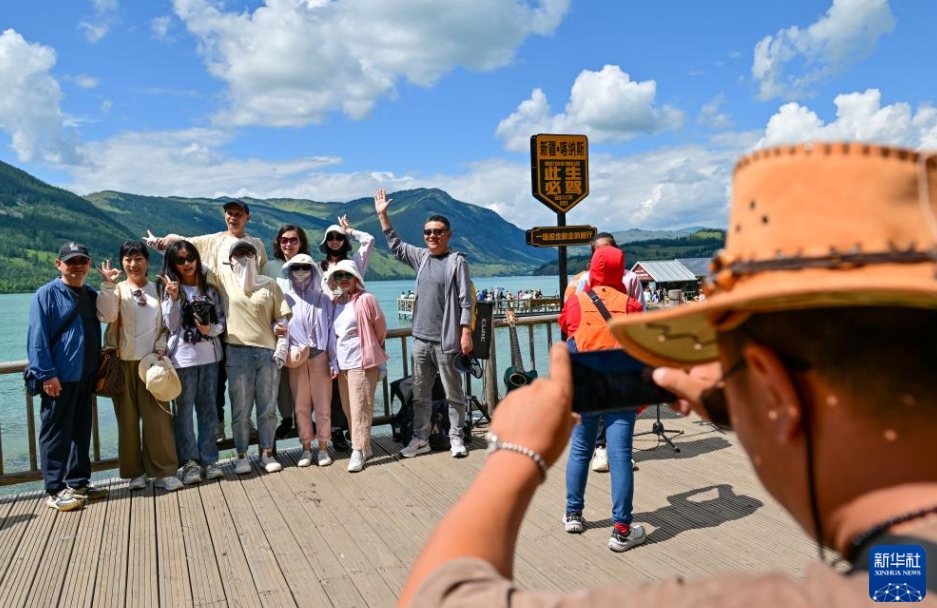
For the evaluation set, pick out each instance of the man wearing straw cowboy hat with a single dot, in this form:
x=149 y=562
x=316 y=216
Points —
x=816 y=343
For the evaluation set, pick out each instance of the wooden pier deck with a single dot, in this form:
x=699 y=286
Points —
x=325 y=537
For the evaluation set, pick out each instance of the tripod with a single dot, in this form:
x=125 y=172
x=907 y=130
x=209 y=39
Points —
x=658 y=429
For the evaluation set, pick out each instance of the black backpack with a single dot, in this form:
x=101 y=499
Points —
x=402 y=423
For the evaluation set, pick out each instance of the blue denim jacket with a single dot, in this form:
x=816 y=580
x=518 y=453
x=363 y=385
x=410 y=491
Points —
x=50 y=308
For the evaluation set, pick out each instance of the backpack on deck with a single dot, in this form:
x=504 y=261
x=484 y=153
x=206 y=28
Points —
x=402 y=423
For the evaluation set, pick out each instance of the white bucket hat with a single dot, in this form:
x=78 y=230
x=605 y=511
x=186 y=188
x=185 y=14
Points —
x=345 y=266
x=323 y=247
x=160 y=377
x=298 y=259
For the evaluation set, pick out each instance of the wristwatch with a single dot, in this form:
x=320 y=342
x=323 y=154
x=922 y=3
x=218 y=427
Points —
x=495 y=444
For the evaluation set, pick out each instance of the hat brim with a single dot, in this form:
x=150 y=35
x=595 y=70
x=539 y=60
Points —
x=72 y=256
x=685 y=335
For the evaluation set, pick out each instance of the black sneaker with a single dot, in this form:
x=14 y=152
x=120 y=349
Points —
x=619 y=542
x=573 y=522
x=339 y=442
x=90 y=492
x=284 y=429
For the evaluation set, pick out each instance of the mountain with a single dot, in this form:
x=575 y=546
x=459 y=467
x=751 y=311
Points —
x=36 y=218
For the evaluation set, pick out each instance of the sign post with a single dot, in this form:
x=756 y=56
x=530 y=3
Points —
x=559 y=175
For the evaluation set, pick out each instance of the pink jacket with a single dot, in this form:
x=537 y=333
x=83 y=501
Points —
x=372 y=329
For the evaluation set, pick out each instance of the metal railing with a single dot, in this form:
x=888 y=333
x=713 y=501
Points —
x=484 y=402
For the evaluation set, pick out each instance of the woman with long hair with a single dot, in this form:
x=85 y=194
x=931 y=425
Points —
x=194 y=317
x=360 y=330
x=311 y=359
x=288 y=242
x=132 y=309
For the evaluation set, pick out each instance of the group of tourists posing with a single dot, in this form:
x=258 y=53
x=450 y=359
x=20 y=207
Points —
x=285 y=333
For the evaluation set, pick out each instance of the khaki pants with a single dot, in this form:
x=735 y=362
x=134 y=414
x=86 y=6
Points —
x=311 y=384
x=155 y=455
x=356 y=387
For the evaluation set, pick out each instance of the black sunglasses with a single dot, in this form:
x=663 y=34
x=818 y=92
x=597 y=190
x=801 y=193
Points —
x=182 y=260
x=334 y=236
x=434 y=231
x=244 y=253
x=300 y=267
x=139 y=296
x=342 y=276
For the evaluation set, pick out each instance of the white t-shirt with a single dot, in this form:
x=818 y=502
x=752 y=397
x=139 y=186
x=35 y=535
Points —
x=347 y=344
x=188 y=354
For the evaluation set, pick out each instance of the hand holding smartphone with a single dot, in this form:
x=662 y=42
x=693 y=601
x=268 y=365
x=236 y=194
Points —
x=608 y=380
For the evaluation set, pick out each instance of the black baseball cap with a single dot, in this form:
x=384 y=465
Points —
x=73 y=250
x=237 y=203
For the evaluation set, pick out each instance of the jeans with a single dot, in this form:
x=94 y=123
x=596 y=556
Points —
x=65 y=435
x=253 y=378
x=619 y=431
x=428 y=358
x=199 y=386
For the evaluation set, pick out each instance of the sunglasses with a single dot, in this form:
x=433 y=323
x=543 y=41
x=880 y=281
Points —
x=301 y=267
x=180 y=260
x=139 y=296
x=343 y=276
x=434 y=231
x=244 y=253
x=333 y=236
x=289 y=240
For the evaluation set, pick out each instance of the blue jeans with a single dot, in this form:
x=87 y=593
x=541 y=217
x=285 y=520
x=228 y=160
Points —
x=253 y=378
x=428 y=358
x=199 y=388
x=619 y=431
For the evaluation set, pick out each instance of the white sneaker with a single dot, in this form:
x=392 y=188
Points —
x=600 y=460
x=213 y=471
x=191 y=473
x=137 y=483
x=356 y=462
x=170 y=484
x=306 y=459
x=457 y=448
x=243 y=466
x=270 y=464
x=415 y=447
x=324 y=458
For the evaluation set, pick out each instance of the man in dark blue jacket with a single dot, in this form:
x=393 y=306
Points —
x=64 y=349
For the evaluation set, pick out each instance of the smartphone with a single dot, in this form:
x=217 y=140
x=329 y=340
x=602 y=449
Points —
x=608 y=380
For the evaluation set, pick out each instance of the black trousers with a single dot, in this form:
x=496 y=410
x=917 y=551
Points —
x=65 y=435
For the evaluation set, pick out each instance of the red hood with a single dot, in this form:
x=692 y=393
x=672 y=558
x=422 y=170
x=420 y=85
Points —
x=607 y=268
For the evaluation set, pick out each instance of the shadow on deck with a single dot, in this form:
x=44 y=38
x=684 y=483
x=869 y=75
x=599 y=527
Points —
x=327 y=537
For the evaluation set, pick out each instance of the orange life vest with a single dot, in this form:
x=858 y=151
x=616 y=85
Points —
x=593 y=332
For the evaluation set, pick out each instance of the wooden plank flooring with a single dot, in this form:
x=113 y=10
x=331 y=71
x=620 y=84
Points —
x=325 y=537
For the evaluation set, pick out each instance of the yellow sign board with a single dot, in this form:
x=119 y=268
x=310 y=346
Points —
x=559 y=170
x=560 y=236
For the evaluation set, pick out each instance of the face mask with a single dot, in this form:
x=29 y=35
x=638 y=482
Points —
x=301 y=275
x=245 y=269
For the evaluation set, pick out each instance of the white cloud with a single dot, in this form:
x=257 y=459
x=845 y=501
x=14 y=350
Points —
x=29 y=106
x=710 y=116
x=291 y=63
x=83 y=81
x=106 y=106
x=607 y=106
x=94 y=32
x=847 y=33
x=104 y=6
x=160 y=27
x=859 y=117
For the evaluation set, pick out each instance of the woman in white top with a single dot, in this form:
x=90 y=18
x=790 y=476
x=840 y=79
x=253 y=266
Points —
x=136 y=329
x=193 y=314
x=289 y=242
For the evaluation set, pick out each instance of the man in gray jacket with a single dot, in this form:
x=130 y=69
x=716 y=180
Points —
x=442 y=324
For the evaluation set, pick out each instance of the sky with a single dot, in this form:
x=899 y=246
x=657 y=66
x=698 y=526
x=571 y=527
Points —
x=331 y=100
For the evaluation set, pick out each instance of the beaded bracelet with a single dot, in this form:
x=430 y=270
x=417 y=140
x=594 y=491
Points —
x=495 y=444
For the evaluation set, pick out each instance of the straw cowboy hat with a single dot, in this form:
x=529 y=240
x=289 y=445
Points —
x=811 y=226
x=346 y=266
x=160 y=377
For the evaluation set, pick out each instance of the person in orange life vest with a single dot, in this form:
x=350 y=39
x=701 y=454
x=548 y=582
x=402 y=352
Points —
x=588 y=330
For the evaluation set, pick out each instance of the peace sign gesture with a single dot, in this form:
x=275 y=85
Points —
x=345 y=224
x=172 y=287
x=110 y=275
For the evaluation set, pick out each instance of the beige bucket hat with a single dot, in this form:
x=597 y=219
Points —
x=160 y=377
x=811 y=226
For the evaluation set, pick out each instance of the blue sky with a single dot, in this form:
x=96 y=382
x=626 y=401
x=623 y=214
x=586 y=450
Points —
x=331 y=100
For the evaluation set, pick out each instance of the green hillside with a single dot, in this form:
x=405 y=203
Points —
x=36 y=218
